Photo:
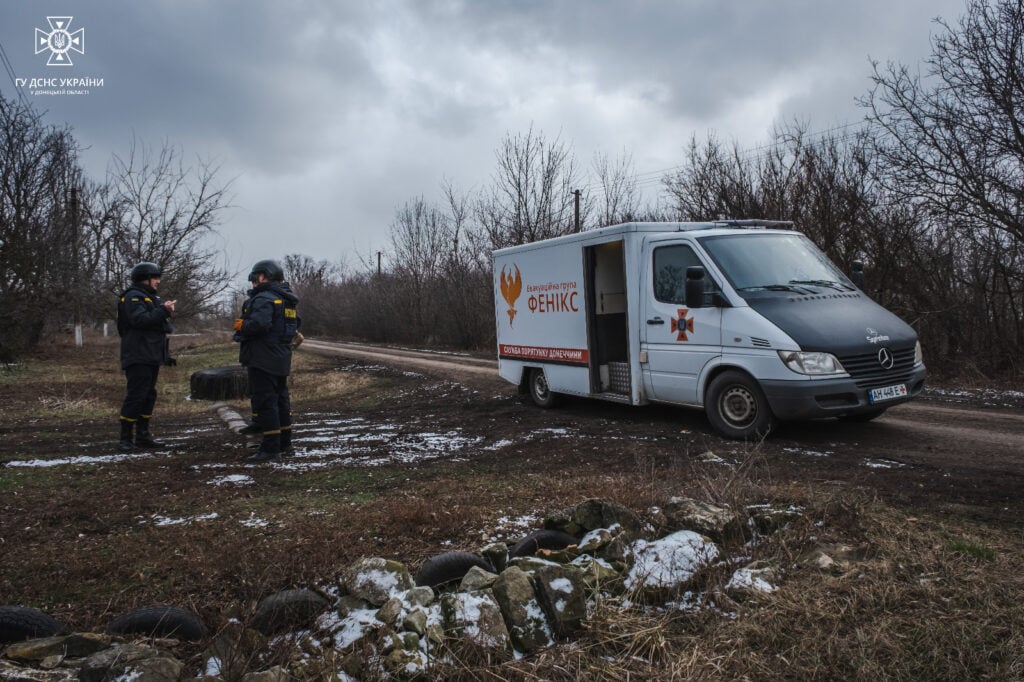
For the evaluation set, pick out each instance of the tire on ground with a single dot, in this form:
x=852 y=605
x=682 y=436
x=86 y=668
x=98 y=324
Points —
x=287 y=609
x=449 y=567
x=159 y=621
x=537 y=386
x=542 y=539
x=737 y=408
x=219 y=383
x=18 y=623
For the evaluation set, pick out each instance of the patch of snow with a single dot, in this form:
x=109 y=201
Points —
x=746 y=579
x=811 y=453
x=883 y=464
x=354 y=626
x=160 y=520
x=561 y=585
x=234 y=479
x=670 y=561
x=254 y=522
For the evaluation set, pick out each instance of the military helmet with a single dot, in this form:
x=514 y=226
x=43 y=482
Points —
x=270 y=268
x=144 y=271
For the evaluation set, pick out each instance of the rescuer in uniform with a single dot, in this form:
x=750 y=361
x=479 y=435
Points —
x=143 y=322
x=267 y=330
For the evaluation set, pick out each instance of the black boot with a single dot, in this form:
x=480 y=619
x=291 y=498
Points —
x=270 y=449
x=143 y=438
x=126 y=444
x=286 y=442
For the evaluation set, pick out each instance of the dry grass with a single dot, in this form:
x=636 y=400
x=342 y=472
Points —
x=913 y=594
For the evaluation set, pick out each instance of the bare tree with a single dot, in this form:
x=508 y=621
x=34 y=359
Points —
x=531 y=196
x=38 y=170
x=620 y=195
x=169 y=214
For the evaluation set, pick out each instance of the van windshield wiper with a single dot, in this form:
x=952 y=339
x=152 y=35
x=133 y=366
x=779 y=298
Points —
x=770 y=287
x=822 y=283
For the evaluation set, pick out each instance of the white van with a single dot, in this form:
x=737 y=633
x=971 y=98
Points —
x=751 y=323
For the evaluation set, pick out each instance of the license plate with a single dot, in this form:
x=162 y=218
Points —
x=877 y=395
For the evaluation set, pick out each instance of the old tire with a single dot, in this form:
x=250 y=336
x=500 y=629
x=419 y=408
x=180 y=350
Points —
x=542 y=539
x=159 y=621
x=288 y=609
x=737 y=408
x=540 y=393
x=18 y=623
x=449 y=567
x=863 y=417
x=219 y=383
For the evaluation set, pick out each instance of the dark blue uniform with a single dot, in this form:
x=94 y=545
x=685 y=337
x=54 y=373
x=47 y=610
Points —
x=269 y=324
x=143 y=324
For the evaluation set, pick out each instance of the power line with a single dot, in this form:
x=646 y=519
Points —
x=10 y=73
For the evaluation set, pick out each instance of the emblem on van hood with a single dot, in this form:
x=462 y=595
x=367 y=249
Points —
x=874 y=337
x=885 y=358
x=511 y=288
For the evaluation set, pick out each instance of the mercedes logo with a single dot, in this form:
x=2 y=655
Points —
x=885 y=358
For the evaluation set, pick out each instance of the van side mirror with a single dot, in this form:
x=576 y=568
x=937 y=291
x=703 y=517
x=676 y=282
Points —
x=695 y=286
x=857 y=274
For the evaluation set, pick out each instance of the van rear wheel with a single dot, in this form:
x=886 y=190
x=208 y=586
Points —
x=737 y=408
x=540 y=392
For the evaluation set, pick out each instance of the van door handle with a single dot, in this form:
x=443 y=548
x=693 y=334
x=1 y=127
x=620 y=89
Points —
x=656 y=320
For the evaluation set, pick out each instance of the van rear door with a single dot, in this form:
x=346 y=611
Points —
x=679 y=341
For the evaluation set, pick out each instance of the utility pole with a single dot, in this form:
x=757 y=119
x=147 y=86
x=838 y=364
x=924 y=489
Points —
x=576 y=203
x=76 y=284
x=378 y=263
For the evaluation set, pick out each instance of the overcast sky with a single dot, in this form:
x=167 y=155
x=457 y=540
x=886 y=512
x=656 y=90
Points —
x=328 y=115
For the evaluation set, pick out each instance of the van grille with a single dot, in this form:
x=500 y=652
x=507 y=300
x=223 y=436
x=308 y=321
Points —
x=868 y=373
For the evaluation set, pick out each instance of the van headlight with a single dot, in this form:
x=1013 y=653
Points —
x=811 y=363
x=918 y=354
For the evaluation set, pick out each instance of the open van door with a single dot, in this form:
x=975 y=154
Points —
x=679 y=340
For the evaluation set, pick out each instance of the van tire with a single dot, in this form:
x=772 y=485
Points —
x=737 y=408
x=542 y=539
x=540 y=393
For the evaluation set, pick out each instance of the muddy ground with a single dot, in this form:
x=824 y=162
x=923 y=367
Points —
x=406 y=462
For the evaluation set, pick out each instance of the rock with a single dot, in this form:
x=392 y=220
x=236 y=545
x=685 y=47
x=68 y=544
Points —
x=275 y=674
x=497 y=554
x=420 y=596
x=527 y=625
x=563 y=596
x=375 y=579
x=619 y=550
x=405 y=665
x=76 y=645
x=529 y=564
x=717 y=522
x=416 y=622
x=10 y=672
x=348 y=604
x=288 y=609
x=770 y=519
x=757 y=577
x=390 y=612
x=159 y=669
x=233 y=650
x=597 y=538
x=594 y=513
x=476 y=618
x=99 y=665
x=597 y=573
x=477 y=579
x=662 y=567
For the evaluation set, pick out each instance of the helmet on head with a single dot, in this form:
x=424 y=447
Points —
x=144 y=271
x=269 y=268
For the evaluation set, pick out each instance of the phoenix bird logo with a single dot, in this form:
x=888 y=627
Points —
x=511 y=287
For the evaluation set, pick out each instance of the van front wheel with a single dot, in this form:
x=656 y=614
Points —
x=737 y=408
x=540 y=392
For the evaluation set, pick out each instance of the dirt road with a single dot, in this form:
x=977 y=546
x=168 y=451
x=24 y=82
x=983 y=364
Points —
x=961 y=459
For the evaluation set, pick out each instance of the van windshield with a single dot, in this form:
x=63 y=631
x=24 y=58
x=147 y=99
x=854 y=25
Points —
x=773 y=262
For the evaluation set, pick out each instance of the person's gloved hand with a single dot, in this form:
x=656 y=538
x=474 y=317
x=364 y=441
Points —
x=238 y=325
x=171 y=362
x=297 y=340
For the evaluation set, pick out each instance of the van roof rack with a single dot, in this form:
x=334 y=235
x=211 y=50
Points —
x=756 y=223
